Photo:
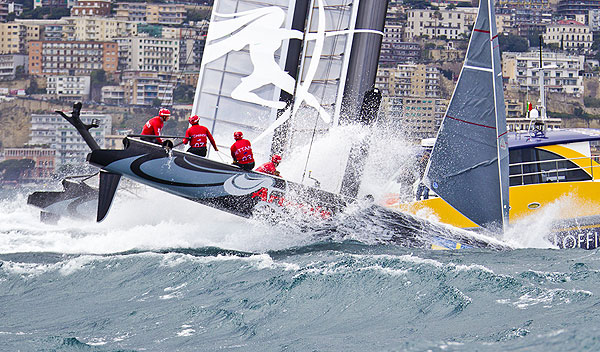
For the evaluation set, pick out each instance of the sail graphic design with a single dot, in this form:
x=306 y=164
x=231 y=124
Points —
x=468 y=167
x=242 y=73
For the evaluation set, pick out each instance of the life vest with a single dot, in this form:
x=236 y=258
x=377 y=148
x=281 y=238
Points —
x=241 y=151
x=197 y=136
x=267 y=168
x=153 y=127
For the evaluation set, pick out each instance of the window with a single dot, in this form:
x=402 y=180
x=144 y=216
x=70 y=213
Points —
x=531 y=166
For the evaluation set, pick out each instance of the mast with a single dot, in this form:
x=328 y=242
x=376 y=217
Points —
x=543 y=115
x=360 y=102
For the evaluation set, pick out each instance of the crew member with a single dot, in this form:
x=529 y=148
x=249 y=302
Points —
x=241 y=152
x=271 y=166
x=154 y=126
x=197 y=135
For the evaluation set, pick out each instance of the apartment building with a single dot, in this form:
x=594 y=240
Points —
x=144 y=53
x=9 y=64
x=409 y=80
x=72 y=88
x=91 y=8
x=413 y=99
x=71 y=57
x=61 y=136
x=169 y=14
x=140 y=88
x=102 y=29
x=448 y=24
x=570 y=8
x=561 y=71
x=12 y=38
x=569 y=35
x=44 y=29
x=526 y=4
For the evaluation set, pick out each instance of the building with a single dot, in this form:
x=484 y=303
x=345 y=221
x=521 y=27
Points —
x=12 y=38
x=101 y=29
x=144 y=53
x=414 y=80
x=561 y=72
x=9 y=64
x=413 y=99
x=570 y=8
x=140 y=88
x=525 y=4
x=44 y=158
x=569 y=35
x=61 y=136
x=72 y=88
x=71 y=58
x=91 y=8
x=441 y=24
x=169 y=14
x=522 y=123
x=418 y=117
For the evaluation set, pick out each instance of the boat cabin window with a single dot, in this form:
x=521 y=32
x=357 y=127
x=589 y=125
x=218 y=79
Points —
x=531 y=165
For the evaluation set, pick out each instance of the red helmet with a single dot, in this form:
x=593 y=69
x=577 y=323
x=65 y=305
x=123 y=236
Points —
x=164 y=113
x=275 y=159
x=238 y=135
x=194 y=119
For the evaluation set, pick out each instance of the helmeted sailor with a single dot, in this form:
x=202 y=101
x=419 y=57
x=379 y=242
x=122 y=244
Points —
x=197 y=136
x=241 y=152
x=155 y=125
x=270 y=167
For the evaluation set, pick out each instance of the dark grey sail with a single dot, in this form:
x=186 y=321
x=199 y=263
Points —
x=468 y=167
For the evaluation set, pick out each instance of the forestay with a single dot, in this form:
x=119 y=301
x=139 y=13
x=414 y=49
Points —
x=468 y=167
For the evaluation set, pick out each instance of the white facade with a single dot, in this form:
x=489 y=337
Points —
x=68 y=87
x=561 y=71
x=143 y=53
x=55 y=131
x=449 y=24
x=9 y=64
x=569 y=35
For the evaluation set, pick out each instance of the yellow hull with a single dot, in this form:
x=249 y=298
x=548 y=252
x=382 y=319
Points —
x=568 y=200
x=565 y=200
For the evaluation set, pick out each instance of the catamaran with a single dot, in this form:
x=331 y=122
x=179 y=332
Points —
x=278 y=68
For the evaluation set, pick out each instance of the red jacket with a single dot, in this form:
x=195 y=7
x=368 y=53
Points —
x=267 y=168
x=153 y=127
x=241 y=151
x=198 y=135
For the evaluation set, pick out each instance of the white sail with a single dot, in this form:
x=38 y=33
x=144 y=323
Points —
x=243 y=71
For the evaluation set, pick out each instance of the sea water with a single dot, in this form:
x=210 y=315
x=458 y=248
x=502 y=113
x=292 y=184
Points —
x=165 y=274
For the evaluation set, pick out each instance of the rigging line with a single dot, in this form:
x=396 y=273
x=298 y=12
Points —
x=327 y=72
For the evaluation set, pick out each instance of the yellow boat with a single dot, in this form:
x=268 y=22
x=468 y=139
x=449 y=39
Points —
x=553 y=173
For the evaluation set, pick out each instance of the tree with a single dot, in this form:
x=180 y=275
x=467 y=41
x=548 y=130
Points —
x=184 y=93
x=98 y=78
x=197 y=15
x=418 y=4
x=156 y=102
x=514 y=43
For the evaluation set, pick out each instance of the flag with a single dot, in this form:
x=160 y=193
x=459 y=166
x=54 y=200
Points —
x=529 y=106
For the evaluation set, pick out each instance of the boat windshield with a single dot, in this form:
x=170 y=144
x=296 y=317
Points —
x=532 y=165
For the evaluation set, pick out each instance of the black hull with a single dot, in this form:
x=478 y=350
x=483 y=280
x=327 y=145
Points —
x=77 y=200
x=251 y=194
